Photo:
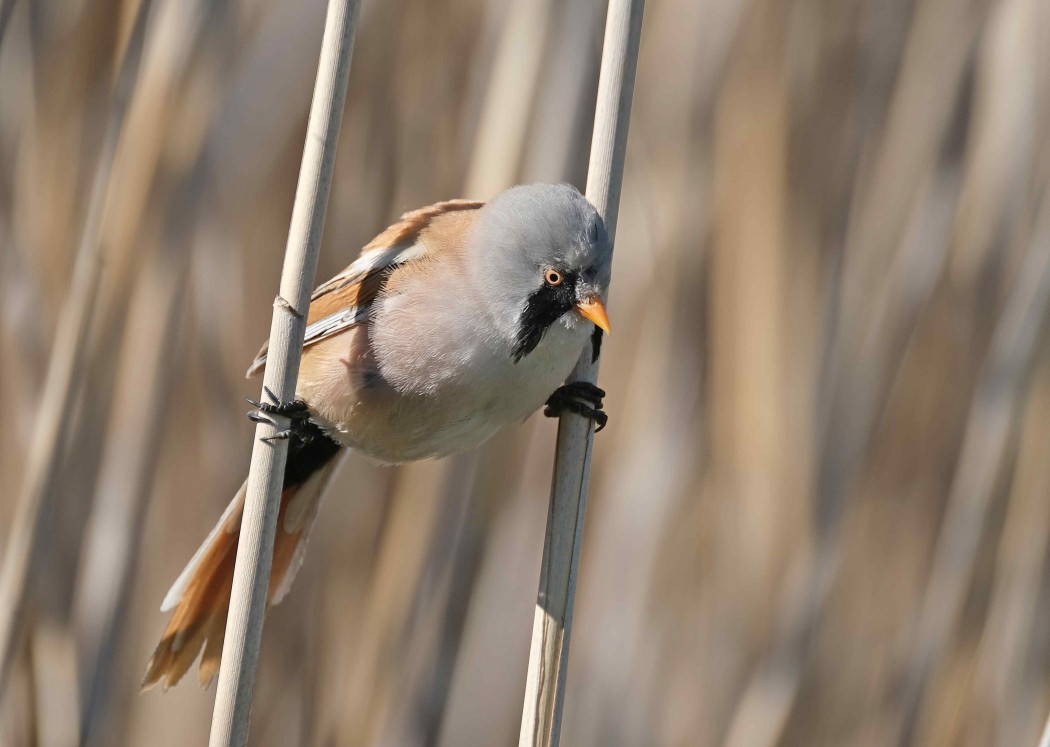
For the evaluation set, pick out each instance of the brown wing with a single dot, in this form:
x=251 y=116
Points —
x=345 y=300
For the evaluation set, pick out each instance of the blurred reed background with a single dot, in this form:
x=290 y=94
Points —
x=820 y=513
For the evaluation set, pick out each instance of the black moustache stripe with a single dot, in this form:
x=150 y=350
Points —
x=596 y=343
x=544 y=307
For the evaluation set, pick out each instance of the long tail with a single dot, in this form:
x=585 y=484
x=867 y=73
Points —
x=200 y=597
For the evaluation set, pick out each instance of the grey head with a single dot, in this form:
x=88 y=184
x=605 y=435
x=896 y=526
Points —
x=543 y=258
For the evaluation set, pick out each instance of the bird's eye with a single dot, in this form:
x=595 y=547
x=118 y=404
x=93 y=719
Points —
x=553 y=277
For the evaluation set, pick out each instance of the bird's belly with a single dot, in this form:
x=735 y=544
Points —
x=379 y=420
x=392 y=427
x=408 y=430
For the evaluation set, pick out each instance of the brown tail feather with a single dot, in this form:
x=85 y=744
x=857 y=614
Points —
x=199 y=617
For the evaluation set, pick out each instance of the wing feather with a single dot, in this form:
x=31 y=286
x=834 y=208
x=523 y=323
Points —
x=346 y=300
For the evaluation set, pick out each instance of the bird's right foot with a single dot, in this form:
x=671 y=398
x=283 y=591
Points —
x=580 y=397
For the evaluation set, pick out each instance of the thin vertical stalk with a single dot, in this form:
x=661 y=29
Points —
x=61 y=388
x=254 y=550
x=548 y=659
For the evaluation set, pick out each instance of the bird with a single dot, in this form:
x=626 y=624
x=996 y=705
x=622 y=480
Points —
x=456 y=321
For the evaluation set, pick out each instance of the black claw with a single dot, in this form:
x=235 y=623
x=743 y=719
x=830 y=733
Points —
x=279 y=436
x=584 y=390
x=257 y=417
x=568 y=399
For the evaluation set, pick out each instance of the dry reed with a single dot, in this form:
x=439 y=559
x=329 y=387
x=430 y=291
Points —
x=255 y=547
x=552 y=626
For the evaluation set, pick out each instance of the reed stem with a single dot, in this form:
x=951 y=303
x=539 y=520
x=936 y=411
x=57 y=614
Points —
x=548 y=659
x=251 y=577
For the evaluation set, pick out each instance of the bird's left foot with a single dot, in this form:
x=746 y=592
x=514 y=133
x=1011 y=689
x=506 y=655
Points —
x=297 y=411
x=580 y=397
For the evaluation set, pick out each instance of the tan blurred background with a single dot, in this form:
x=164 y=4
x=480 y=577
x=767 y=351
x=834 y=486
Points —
x=819 y=515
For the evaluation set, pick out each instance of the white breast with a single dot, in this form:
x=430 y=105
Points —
x=462 y=400
x=501 y=392
x=444 y=380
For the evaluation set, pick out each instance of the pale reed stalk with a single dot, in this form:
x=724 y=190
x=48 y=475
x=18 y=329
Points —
x=251 y=577
x=548 y=660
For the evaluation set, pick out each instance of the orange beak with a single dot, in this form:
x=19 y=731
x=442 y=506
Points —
x=593 y=310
